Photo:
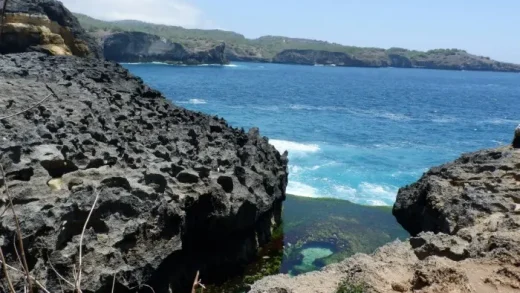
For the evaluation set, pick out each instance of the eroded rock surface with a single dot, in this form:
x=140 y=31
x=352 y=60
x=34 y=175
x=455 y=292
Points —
x=465 y=218
x=179 y=191
x=45 y=26
x=142 y=47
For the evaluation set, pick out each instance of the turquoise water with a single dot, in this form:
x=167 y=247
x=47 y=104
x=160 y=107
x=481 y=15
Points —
x=352 y=133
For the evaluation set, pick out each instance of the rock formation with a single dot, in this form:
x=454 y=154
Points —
x=465 y=220
x=142 y=47
x=178 y=191
x=311 y=57
x=45 y=26
x=371 y=57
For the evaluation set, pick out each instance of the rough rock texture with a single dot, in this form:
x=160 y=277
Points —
x=45 y=26
x=178 y=191
x=465 y=218
x=142 y=47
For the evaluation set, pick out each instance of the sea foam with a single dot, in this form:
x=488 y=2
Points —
x=294 y=147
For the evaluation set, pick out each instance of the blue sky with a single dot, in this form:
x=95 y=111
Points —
x=483 y=27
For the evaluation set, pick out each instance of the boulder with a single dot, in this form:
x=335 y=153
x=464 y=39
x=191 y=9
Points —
x=164 y=209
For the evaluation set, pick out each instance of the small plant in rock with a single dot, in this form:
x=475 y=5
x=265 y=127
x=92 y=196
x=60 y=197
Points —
x=349 y=287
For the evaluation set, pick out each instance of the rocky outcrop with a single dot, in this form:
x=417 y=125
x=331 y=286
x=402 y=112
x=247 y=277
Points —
x=142 y=47
x=465 y=220
x=178 y=191
x=312 y=57
x=45 y=26
x=400 y=58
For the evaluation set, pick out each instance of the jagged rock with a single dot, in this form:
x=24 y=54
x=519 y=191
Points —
x=428 y=244
x=164 y=209
x=143 y=47
x=45 y=26
x=516 y=139
x=466 y=230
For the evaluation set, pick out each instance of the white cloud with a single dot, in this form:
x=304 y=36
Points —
x=171 y=12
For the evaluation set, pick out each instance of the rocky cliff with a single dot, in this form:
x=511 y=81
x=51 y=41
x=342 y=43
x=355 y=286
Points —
x=434 y=59
x=465 y=220
x=45 y=26
x=178 y=191
x=312 y=57
x=142 y=47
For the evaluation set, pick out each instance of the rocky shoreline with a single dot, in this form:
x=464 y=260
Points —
x=464 y=218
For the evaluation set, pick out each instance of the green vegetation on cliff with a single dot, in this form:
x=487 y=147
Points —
x=300 y=51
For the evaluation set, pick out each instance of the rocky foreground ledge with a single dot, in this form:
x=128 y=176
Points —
x=178 y=191
x=465 y=218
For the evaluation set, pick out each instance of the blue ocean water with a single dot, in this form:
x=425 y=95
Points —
x=352 y=133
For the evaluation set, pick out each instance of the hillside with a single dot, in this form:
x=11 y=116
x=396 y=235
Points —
x=300 y=51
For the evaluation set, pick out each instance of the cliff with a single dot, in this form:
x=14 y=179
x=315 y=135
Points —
x=282 y=49
x=434 y=59
x=45 y=26
x=142 y=47
x=464 y=218
x=178 y=191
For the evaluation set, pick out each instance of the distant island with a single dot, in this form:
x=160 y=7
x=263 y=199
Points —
x=285 y=50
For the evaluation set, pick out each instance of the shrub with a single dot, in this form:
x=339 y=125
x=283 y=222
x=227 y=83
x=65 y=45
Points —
x=348 y=287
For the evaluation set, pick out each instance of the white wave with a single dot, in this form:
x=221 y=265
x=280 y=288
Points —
x=131 y=63
x=378 y=191
x=231 y=65
x=266 y=108
x=376 y=202
x=345 y=191
x=197 y=101
x=294 y=147
x=301 y=189
x=501 y=121
x=444 y=119
x=160 y=63
x=295 y=169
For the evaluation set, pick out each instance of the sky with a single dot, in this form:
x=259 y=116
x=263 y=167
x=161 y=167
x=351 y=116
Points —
x=482 y=27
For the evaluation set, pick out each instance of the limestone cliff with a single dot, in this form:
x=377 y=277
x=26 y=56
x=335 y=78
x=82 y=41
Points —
x=178 y=191
x=451 y=59
x=45 y=26
x=465 y=220
x=142 y=47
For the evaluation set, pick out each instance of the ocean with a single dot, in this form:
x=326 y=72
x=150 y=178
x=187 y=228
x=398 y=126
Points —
x=352 y=133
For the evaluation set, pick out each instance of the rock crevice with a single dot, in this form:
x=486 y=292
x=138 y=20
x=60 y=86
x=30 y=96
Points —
x=464 y=218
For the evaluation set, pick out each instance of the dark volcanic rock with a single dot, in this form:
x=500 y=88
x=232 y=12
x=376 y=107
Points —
x=458 y=194
x=142 y=47
x=46 y=26
x=170 y=202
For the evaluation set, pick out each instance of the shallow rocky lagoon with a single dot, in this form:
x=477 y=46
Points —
x=314 y=233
